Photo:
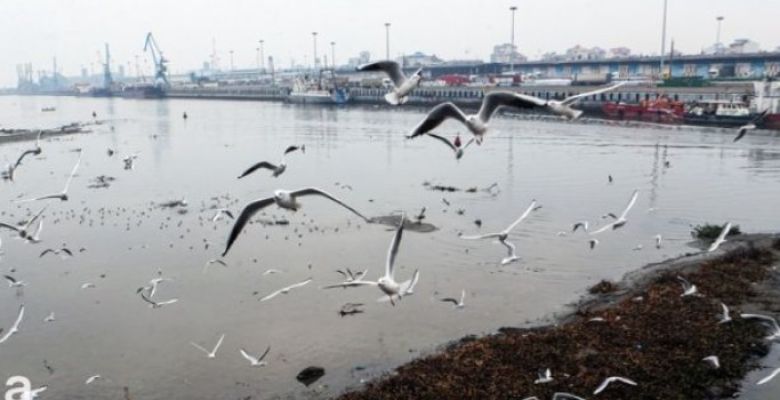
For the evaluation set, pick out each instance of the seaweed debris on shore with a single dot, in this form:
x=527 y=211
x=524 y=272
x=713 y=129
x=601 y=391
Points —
x=643 y=330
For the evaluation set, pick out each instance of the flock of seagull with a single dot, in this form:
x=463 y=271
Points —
x=392 y=289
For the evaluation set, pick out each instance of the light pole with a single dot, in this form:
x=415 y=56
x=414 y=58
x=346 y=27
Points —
x=717 y=37
x=663 y=43
x=231 y=60
x=262 y=55
x=257 y=56
x=314 y=38
x=333 y=54
x=387 y=40
x=512 y=41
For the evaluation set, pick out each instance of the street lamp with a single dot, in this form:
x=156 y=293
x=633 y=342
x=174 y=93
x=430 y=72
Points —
x=333 y=54
x=663 y=43
x=314 y=38
x=512 y=40
x=262 y=55
x=717 y=37
x=257 y=56
x=387 y=40
x=231 y=60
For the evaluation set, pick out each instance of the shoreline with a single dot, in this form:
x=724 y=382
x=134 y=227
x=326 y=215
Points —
x=640 y=328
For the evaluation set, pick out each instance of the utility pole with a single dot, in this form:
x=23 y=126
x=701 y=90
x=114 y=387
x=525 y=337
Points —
x=333 y=54
x=231 y=61
x=387 y=40
x=257 y=58
x=512 y=41
x=262 y=55
x=663 y=41
x=717 y=36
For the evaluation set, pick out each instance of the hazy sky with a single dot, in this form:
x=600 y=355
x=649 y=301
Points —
x=75 y=30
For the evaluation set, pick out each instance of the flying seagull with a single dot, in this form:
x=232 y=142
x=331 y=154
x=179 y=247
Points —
x=23 y=230
x=151 y=288
x=63 y=196
x=213 y=261
x=15 y=327
x=220 y=213
x=212 y=353
x=276 y=169
x=458 y=303
x=92 y=379
x=767 y=320
x=504 y=235
x=57 y=252
x=578 y=225
x=713 y=360
x=689 y=289
x=35 y=151
x=255 y=361
x=750 y=125
x=402 y=85
x=286 y=290
x=285 y=199
x=455 y=147
x=350 y=279
x=769 y=377
x=726 y=315
x=621 y=220
x=50 y=317
x=13 y=282
x=721 y=238
x=157 y=304
x=613 y=379
x=593 y=243
x=478 y=123
x=545 y=377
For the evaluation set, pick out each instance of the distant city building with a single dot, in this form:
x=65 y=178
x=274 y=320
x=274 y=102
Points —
x=506 y=53
x=619 y=52
x=743 y=46
x=362 y=58
x=464 y=62
x=579 y=53
x=551 y=57
x=419 y=59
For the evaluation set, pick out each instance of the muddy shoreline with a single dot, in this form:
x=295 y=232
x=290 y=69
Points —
x=641 y=328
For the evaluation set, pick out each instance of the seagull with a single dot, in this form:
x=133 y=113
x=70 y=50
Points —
x=713 y=360
x=566 y=396
x=275 y=169
x=350 y=279
x=220 y=212
x=420 y=217
x=580 y=224
x=726 y=316
x=63 y=196
x=36 y=151
x=15 y=327
x=36 y=236
x=765 y=319
x=504 y=235
x=49 y=318
x=402 y=85
x=212 y=353
x=152 y=287
x=457 y=149
x=593 y=243
x=610 y=380
x=157 y=304
x=458 y=303
x=13 y=283
x=213 y=261
x=35 y=392
x=750 y=125
x=88 y=285
x=284 y=199
x=658 y=240
x=56 y=252
x=271 y=271
x=688 y=288
x=720 y=239
x=621 y=220
x=769 y=377
x=92 y=379
x=478 y=123
x=638 y=247
x=286 y=290
x=545 y=377
x=130 y=161
x=255 y=361
x=22 y=230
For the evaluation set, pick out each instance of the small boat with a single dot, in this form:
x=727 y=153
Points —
x=724 y=113
x=320 y=91
x=662 y=110
x=48 y=109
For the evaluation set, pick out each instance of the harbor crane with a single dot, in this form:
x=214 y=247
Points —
x=160 y=68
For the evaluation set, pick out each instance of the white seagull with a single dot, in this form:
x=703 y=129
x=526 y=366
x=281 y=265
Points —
x=15 y=327
x=286 y=290
x=402 y=85
x=769 y=377
x=13 y=283
x=285 y=199
x=713 y=360
x=504 y=235
x=35 y=392
x=720 y=239
x=578 y=225
x=610 y=380
x=63 y=196
x=566 y=396
x=545 y=377
x=255 y=361
x=92 y=379
x=220 y=213
x=24 y=229
x=275 y=169
x=458 y=150
x=750 y=125
x=157 y=304
x=49 y=318
x=593 y=243
x=726 y=317
x=765 y=319
x=658 y=240
x=350 y=279
x=478 y=123
x=621 y=220
x=458 y=303
x=212 y=353
x=213 y=261
x=689 y=289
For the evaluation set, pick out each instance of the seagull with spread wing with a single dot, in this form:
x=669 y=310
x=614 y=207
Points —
x=276 y=169
x=63 y=196
x=504 y=235
x=402 y=85
x=622 y=219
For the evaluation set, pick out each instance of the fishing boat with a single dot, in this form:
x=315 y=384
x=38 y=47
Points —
x=324 y=90
x=724 y=113
x=767 y=97
x=661 y=110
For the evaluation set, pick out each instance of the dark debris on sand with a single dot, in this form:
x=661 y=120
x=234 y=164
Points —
x=649 y=334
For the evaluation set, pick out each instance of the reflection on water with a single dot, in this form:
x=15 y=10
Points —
x=685 y=176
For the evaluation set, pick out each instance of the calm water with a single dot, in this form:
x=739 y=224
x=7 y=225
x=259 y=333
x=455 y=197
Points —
x=109 y=330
